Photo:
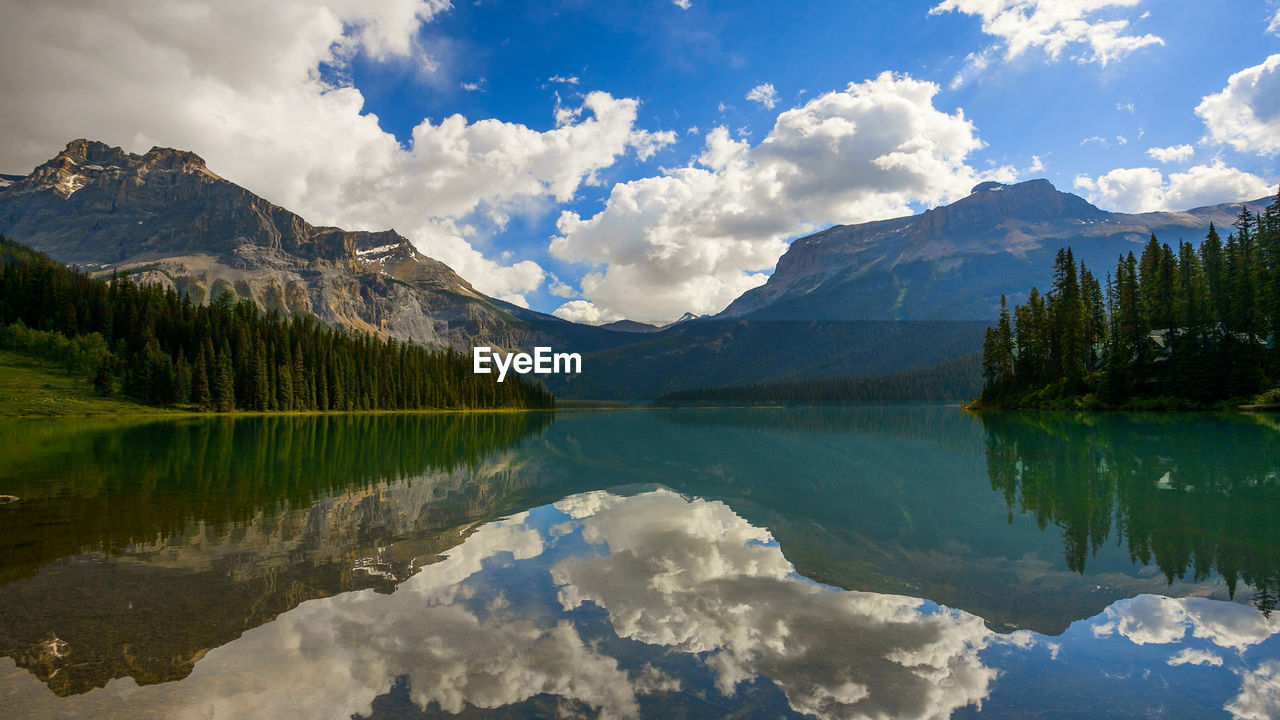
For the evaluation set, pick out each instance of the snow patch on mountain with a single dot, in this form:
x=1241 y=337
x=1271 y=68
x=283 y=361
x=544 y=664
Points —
x=377 y=250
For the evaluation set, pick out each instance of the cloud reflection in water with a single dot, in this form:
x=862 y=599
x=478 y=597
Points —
x=621 y=603
x=694 y=576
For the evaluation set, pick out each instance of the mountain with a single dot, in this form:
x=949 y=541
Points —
x=712 y=353
x=630 y=326
x=834 y=306
x=683 y=319
x=953 y=262
x=891 y=296
x=165 y=217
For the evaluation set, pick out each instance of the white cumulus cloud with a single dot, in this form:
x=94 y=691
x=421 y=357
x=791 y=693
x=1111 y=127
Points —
x=694 y=238
x=1259 y=697
x=1054 y=26
x=1152 y=619
x=559 y=288
x=1192 y=656
x=647 y=144
x=682 y=4
x=1173 y=153
x=250 y=97
x=1246 y=114
x=581 y=311
x=1145 y=189
x=765 y=94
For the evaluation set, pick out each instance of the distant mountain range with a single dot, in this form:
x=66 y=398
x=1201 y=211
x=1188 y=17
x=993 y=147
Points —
x=833 y=307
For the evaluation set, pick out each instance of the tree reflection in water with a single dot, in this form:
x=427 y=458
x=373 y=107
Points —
x=1192 y=495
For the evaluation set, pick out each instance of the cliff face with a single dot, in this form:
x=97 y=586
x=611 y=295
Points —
x=165 y=217
x=954 y=262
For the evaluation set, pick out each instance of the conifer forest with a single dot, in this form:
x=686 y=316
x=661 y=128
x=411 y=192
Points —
x=1170 y=327
x=156 y=346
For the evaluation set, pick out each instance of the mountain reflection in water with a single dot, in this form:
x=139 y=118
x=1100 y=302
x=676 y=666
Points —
x=659 y=564
x=619 y=606
x=140 y=548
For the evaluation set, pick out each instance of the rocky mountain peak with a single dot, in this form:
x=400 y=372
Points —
x=93 y=152
x=76 y=166
x=162 y=158
x=85 y=162
x=991 y=203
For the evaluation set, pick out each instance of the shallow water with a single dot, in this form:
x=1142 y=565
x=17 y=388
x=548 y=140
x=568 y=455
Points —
x=872 y=562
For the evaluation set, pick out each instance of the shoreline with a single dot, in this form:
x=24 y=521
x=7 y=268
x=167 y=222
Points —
x=1156 y=405
x=150 y=412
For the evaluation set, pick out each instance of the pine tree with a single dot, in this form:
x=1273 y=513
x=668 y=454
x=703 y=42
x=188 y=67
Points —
x=1067 y=318
x=261 y=381
x=200 y=394
x=1031 y=338
x=303 y=395
x=990 y=364
x=1004 y=344
x=1095 y=310
x=1268 y=259
x=182 y=379
x=1131 y=329
x=1212 y=258
x=224 y=388
x=1155 y=279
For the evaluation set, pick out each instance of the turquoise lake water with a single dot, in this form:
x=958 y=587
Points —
x=833 y=563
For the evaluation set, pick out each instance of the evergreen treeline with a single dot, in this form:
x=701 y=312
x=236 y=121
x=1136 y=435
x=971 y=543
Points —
x=1173 y=327
x=162 y=349
x=952 y=381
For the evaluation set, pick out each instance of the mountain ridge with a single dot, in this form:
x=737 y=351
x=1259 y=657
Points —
x=910 y=268
x=164 y=217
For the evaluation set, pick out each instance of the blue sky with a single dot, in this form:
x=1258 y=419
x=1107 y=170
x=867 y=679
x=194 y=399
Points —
x=314 y=105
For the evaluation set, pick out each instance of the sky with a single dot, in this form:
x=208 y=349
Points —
x=647 y=158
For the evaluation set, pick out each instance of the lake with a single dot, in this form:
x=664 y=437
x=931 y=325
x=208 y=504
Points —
x=832 y=563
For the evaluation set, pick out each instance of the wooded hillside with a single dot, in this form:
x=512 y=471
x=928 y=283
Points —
x=154 y=345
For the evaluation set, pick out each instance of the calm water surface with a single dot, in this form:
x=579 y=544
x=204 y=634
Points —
x=854 y=563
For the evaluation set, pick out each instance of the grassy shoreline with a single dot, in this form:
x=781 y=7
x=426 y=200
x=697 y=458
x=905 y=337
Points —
x=30 y=388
